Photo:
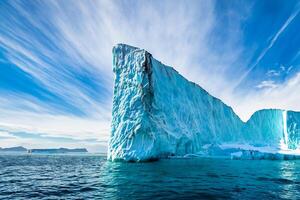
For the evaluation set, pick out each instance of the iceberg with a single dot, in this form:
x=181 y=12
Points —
x=157 y=113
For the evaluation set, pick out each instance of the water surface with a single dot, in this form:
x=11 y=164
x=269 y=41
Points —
x=92 y=177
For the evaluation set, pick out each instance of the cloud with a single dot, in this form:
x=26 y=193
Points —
x=270 y=45
x=272 y=73
x=289 y=69
x=277 y=73
x=35 y=130
x=48 y=127
x=6 y=135
x=54 y=125
x=267 y=84
x=283 y=70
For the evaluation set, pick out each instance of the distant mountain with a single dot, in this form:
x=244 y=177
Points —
x=18 y=149
x=60 y=150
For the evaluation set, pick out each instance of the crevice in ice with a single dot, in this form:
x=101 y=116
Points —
x=285 y=132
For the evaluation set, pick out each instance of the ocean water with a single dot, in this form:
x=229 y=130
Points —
x=92 y=177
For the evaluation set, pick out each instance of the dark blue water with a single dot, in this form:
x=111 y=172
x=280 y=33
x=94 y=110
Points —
x=92 y=177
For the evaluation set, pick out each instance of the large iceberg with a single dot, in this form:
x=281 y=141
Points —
x=157 y=113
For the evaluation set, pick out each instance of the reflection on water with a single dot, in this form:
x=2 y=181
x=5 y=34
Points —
x=288 y=172
x=206 y=178
x=73 y=177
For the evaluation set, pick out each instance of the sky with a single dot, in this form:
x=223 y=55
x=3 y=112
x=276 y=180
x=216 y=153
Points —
x=56 y=79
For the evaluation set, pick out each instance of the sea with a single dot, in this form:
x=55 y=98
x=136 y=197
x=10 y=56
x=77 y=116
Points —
x=91 y=176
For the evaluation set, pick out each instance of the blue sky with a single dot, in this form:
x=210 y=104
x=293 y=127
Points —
x=56 y=77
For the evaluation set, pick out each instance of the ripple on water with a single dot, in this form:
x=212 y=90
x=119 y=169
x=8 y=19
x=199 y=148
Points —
x=89 y=177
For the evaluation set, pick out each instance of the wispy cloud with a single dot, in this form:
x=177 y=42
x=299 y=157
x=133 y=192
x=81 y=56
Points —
x=283 y=70
x=267 y=84
x=274 y=77
x=272 y=73
x=270 y=45
x=6 y=135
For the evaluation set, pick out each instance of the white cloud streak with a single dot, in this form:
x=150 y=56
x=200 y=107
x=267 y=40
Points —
x=272 y=42
x=267 y=84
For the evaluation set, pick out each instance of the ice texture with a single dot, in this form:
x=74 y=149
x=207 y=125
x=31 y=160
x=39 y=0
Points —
x=158 y=113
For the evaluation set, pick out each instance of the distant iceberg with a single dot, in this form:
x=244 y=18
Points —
x=157 y=113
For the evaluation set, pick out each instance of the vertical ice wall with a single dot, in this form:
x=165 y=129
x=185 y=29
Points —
x=293 y=129
x=131 y=134
x=285 y=133
x=157 y=113
x=264 y=128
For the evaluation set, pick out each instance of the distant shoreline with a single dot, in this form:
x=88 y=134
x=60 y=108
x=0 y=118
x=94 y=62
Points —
x=21 y=149
x=18 y=153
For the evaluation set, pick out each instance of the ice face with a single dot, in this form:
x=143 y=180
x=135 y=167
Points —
x=158 y=113
x=131 y=131
x=293 y=129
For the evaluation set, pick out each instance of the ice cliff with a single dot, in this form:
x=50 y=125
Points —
x=158 y=113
